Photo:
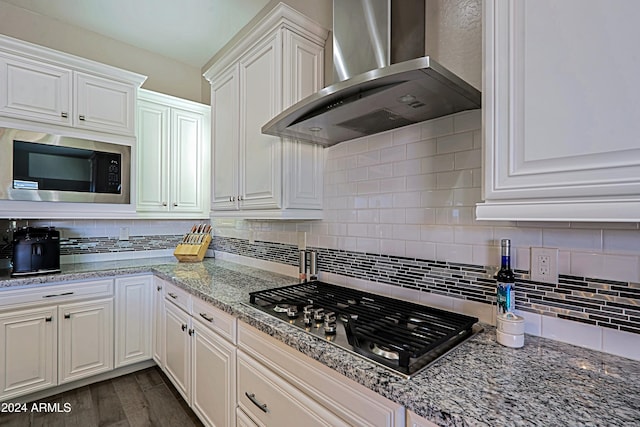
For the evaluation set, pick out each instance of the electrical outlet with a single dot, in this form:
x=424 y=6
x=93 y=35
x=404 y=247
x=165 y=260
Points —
x=544 y=265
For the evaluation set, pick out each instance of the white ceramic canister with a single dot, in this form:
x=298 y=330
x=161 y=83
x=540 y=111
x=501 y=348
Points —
x=510 y=330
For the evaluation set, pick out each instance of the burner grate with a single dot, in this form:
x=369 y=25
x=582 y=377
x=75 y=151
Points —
x=393 y=332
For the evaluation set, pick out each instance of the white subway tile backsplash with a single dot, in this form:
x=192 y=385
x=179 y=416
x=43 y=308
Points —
x=380 y=231
x=381 y=201
x=467 y=121
x=357 y=146
x=466 y=196
x=368 y=245
x=436 y=198
x=437 y=127
x=621 y=267
x=393 y=216
x=368 y=158
x=454 y=253
x=467 y=159
x=406 y=231
x=573 y=239
x=393 y=185
x=439 y=163
x=436 y=233
x=380 y=171
x=406 y=200
x=381 y=140
x=393 y=247
x=621 y=241
x=421 y=249
x=407 y=167
x=406 y=135
x=622 y=343
x=421 y=182
x=393 y=154
x=368 y=187
x=358 y=174
x=454 y=179
x=453 y=143
x=575 y=333
x=368 y=216
x=473 y=235
x=458 y=215
x=421 y=149
x=587 y=264
x=420 y=216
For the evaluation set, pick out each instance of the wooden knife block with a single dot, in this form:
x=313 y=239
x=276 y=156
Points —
x=192 y=252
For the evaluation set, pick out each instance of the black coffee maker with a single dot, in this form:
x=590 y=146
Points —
x=36 y=250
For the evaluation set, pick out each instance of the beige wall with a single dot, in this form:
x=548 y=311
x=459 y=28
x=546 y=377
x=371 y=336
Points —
x=164 y=75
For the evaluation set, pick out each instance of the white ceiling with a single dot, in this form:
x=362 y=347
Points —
x=189 y=31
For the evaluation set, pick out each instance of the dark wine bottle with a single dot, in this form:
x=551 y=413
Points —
x=505 y=295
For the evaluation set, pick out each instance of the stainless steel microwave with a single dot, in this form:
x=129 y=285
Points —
x=38 y=166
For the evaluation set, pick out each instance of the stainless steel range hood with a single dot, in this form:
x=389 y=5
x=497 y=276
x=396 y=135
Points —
x=384 y=98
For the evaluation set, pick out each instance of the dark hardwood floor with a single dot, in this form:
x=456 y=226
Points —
x=143 y=398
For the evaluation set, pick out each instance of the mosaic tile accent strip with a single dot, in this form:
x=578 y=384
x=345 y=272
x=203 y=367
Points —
x=606 y=303
x=96 y=245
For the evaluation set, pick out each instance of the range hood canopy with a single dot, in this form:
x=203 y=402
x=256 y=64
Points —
x=381 y=99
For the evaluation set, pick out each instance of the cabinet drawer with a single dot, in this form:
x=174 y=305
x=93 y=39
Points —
x=215 y=319
x=51 y=294
x=178 y=296
x=271 y=401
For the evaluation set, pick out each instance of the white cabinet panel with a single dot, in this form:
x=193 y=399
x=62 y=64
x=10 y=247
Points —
x=104 y=105
x=85 y=339
x=260 y=155
x=133 y=320
x=560 y=111
x=225 y=149
x=34 y=90
x=214 y=377
x=28 y=351
x=158 y=321
x=177 y=363
x=256 y=175
x=173 y=157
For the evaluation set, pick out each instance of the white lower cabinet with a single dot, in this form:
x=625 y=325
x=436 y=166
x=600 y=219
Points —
x=214 y=377
x=414 y=420
x=133 y=320
x=28 y=355
x=177 y=360
x=85 y=339
x=298 y=390
x=200 y=355
x=271 y=401
x=243 y=420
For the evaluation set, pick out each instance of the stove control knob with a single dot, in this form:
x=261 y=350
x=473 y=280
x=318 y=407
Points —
x=308 y=320
x=292 y=312
x=330 y=317
x=330 y=327
x=308 y=309
x=318 y=314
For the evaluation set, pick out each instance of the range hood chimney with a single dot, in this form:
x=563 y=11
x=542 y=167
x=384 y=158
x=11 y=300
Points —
x=385 y=82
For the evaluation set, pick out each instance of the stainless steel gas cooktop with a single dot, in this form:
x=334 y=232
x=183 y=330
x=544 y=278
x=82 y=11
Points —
x=399 y=335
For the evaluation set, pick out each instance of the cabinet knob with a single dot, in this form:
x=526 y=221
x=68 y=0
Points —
x=175 y=204
x=191 y=332
x=81 y=117
x=233 y=199
x=172 y=295
x=67 y=316
x=240 y=198
x=64 y=115
x=164 y=203
x=48 y=319
x=159 y=288
x=184 y=327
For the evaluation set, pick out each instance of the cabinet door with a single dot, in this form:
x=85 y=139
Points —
x=85 y=339
x=104 y=105
x=224 y=150
x=153 y=144
x=214 y=377
x=177 y=361
x=243 y=420
x=561 y=106
x=133 y=320
x=35 y=91
x=303 y=75
x=260 y=100
x=29 y=351
x=188 y=155
x=158 y=322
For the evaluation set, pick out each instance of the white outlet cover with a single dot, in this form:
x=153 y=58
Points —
x=536 y=273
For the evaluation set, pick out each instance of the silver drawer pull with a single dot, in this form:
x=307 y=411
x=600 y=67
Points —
x=58 y=295
x=67 y=315
x=81 y=117
x=207 y=318
x=172 y=295
x=252 y=398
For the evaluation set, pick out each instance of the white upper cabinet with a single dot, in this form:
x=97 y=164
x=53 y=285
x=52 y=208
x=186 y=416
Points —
x=42 y=85
x=561 y=111
x=173 y=157
x=254 y=175
x=33 y=90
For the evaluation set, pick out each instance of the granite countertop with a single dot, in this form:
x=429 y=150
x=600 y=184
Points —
x=480 y=383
